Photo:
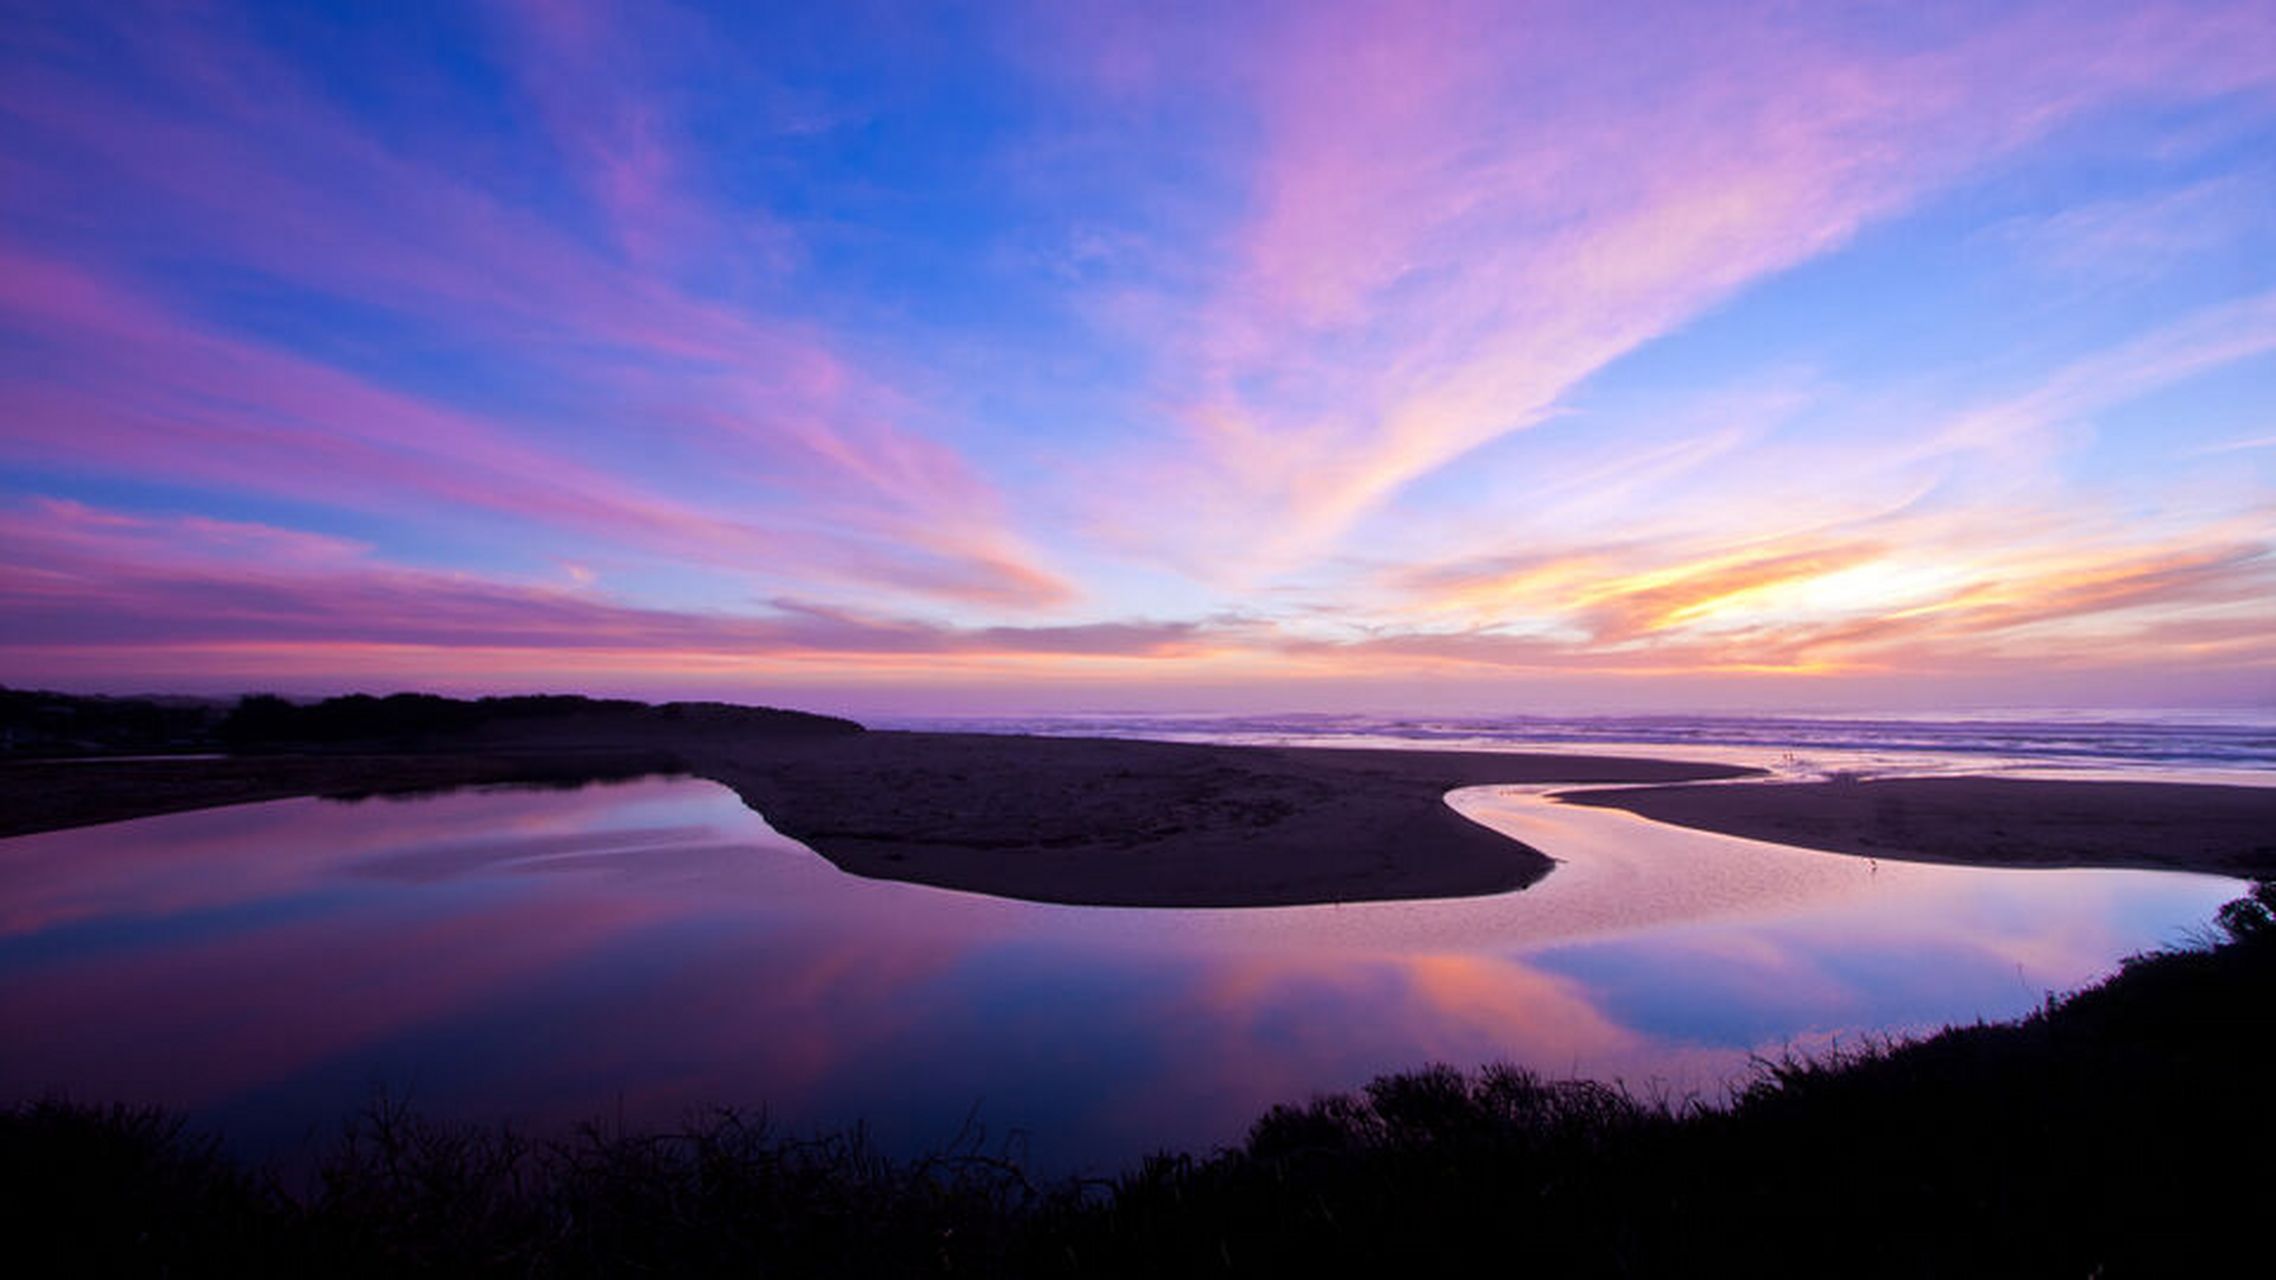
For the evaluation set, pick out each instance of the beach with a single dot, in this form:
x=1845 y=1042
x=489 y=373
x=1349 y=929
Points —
x=1123 y=822
x=1083 y=821
x=1109 y=822
x=1986 y=821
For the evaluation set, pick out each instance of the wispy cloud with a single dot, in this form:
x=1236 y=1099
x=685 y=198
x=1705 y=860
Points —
x=82 y=578
x=264 y=173
x=1460 y=218
x=2239 y=446
x=2137 y=237
x=592 y=70
x=2206 y=340
x=151 y=591
x=1324 y=342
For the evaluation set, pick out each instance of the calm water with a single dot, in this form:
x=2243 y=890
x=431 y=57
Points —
x=630 y=951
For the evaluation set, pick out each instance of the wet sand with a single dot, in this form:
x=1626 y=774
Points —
x=1096 y=822
x=1122 y=823
x=1996 y=822
x=1126 y=823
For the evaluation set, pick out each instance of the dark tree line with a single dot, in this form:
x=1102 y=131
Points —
x=264 y=719
x=34 y=723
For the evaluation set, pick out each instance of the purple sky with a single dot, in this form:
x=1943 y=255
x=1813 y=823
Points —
x=887 y=357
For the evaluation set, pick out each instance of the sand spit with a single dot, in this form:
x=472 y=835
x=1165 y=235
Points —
x=2001 y=822
x=1114 y=822
x=1097 y=822
x=1122 y=823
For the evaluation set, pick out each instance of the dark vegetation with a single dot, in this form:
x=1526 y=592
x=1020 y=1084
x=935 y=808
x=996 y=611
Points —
x=49 y=795
x=264 y=722
x=42 y=724
x=2124 y=1130
x=1105 y=822
x=37 y=723
x=62 y=767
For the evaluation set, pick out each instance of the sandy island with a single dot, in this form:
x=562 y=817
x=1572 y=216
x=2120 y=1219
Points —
x=1130 y=823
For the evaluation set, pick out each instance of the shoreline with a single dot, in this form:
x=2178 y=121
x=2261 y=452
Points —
x=1094 y=822
x=1984 y=821
x=57 y=795
x=1125 y=822
x=1135 y=822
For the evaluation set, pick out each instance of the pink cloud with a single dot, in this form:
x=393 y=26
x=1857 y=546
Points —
x=586 y=66
x=130 y=388
x=253 y=167
x=90 y=591
x=1451 y=217
x=86 y=581
x=1460 y=214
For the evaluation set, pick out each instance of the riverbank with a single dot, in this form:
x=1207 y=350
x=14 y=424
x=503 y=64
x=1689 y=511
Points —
x=1099 y=822
x=54 y=795
x=1125 y=822
x=1111 y=822
x=1989 y=822
x=1070 y=820
x=2115 y=1132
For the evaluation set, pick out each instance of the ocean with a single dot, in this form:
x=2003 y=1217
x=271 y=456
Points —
x=2237 y=746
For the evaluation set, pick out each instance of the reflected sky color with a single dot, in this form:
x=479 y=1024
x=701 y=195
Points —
x=1019 y=356
x=636 y=950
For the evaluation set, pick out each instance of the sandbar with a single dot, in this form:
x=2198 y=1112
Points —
x=1114 y=822
x=1117 y=822
x=1102 y=822
x=1985 y=821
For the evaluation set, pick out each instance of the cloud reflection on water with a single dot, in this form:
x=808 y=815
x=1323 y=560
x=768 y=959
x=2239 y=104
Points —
x=636 y=950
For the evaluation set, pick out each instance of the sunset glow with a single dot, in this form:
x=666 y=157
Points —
x=1067 y=355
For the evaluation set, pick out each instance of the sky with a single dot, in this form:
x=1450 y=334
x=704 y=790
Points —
x=986 y=358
